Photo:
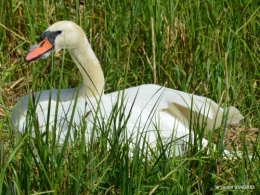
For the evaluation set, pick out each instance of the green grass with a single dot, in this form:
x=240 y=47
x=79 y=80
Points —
x=204 y=47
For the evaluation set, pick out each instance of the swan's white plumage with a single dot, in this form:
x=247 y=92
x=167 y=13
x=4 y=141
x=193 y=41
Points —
x=149 y=107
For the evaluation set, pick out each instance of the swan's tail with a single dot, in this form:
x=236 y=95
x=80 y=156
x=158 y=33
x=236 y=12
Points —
x=234 y=116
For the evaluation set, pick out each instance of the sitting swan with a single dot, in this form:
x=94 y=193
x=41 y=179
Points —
x=149 y=111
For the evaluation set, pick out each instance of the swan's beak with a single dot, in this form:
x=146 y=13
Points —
x=43 y=47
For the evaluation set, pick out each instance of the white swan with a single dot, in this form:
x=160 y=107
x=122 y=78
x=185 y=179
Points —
x=149 y=110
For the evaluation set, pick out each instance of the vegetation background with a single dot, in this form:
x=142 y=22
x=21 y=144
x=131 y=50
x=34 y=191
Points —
x=206 y=47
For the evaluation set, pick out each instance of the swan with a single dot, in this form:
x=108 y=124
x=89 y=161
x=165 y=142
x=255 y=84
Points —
x=148 y=112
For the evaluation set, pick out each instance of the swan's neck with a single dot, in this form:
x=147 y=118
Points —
x=90 y=69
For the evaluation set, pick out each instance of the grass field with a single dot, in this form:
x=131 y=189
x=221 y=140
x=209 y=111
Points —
x=208 y=48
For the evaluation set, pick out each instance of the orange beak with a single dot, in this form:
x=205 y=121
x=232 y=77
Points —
x=43 y=47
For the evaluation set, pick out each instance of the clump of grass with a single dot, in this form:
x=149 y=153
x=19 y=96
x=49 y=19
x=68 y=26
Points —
x=207 y=48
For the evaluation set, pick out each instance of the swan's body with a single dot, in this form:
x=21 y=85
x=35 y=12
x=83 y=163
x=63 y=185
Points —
x=148 y=109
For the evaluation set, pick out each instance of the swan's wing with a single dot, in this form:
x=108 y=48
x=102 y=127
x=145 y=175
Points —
x=184 y=106
x=206 y=111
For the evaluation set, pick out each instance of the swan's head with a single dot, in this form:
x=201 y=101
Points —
x=60 y=35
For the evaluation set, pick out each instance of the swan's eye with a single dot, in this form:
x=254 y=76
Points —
x=41 y=37
x=59 y=32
